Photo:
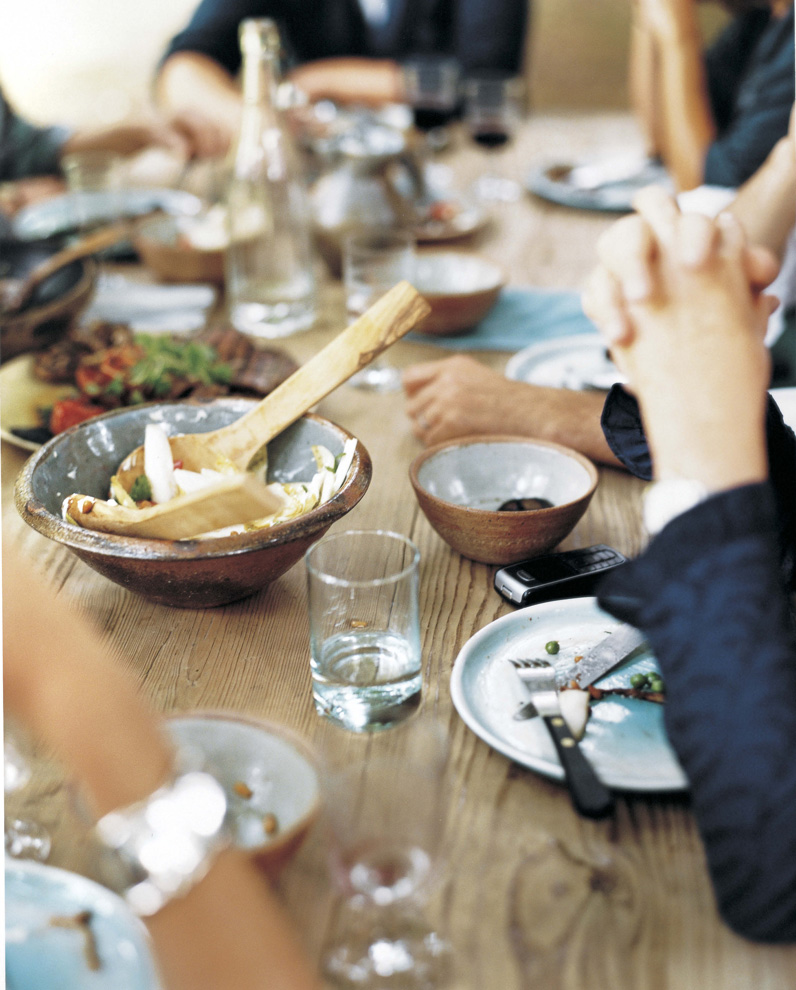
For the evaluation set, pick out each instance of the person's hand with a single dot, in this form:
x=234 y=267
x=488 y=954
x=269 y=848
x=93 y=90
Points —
x=459 y=396
x=679 y=299
x=16 y=195
x=186 y=134
x=203 y=136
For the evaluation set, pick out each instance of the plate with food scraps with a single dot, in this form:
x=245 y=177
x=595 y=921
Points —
x=63 y=930
x=25 y=398
x=579 y=361
x=625 y=739
x=448 y=218
x=607 y=184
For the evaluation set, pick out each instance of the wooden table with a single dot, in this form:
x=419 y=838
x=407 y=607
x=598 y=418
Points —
x=533 y=896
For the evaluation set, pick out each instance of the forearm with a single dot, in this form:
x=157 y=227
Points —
x=350 y=80
x=687 y=122
x=60 y=683
x=192 y=81
x=644 y=85
x=766 y=203
x=569 y=418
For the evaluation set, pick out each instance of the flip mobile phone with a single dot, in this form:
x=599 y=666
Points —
x=557 y=575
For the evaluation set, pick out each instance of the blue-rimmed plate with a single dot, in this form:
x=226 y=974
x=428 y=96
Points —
x=41 y=955
x=607 y=185
x=625 y=739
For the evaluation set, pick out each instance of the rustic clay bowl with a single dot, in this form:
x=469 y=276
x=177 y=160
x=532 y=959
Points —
x=269 y=775
x=163 y=247
x=55 y=304
x=184 y=573
x=460 y=485
x=460 y=288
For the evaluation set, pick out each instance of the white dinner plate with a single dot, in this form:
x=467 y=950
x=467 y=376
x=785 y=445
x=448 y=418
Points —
x=59 y=214
x=625 y=738
x=579 y=361
x=604 y=184
x=43 y=956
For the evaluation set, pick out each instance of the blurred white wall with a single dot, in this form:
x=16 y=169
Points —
x=84 y=62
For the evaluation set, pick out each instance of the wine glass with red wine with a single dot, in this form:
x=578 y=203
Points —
x=431 y=88
x=492 y=110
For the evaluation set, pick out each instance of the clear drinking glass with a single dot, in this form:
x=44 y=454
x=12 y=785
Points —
x=373 y=262
x=492 y=110
x=384 y=814
x=364 y=628
x=24 y=839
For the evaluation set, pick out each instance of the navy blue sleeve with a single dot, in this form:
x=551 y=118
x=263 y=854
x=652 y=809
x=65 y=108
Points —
x=752 y=94
x=709 y=596
x=624 y=432
x=213 y=29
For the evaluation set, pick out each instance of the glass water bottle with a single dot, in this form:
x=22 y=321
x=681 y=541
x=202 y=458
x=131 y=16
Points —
x=269 y=263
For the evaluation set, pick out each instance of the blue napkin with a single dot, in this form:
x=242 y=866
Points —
x=520 y=317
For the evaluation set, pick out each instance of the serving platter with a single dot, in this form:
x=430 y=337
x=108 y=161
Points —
x=625 y=738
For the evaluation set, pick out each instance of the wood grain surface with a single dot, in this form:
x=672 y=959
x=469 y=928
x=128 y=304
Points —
x=531 y=894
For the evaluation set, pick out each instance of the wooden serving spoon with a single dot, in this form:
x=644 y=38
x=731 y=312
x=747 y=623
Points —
x=200 y=512
x=234 y=500
x=386 y=321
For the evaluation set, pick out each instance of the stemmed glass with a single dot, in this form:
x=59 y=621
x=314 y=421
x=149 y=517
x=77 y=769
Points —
x=431 y=88
x=373 y=262
x=492 y=110
x=24 y=839
x=385 y=813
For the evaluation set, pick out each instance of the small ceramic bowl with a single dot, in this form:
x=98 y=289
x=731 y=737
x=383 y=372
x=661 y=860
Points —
x=269 y=775
x=459 y=486
x=166 y=246
x=460 y=288
x=182 y=573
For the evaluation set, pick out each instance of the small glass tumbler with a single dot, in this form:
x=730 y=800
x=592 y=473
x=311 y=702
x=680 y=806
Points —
x=364 y=628
x=94 y=180
x=373 y=262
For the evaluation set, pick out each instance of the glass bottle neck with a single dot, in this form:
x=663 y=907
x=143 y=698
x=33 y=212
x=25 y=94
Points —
x=260 y=79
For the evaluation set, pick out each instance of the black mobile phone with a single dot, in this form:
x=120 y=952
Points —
x=557 y=575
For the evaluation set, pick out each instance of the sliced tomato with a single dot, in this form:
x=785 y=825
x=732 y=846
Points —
x=69 y=412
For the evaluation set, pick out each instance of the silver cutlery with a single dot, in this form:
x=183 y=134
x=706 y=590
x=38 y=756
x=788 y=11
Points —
x=589 y=795
x=599 y=659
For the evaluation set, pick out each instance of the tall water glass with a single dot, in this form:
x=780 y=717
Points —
x=373 y=262
x=364 y=628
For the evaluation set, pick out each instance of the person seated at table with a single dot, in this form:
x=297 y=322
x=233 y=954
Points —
x=227 y=931
x=31 y=156
x=711 y=592
x=344 y=50
x=460 y=396
x=712 y=117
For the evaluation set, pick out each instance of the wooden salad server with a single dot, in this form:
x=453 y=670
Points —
x=234 y=500
x=386 y=321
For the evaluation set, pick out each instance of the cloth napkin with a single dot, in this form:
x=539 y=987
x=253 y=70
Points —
x=150 y=308
x=520 y=317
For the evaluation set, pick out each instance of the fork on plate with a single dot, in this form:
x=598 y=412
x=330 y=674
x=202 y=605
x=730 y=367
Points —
x=589 y=795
